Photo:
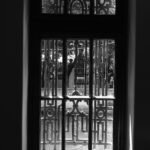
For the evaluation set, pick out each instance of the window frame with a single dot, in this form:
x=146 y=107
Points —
x=47 y=26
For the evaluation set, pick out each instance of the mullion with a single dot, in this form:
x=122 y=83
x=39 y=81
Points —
x=64 y=93
x=91 y=8
x=91 y=95
x=65 y=7
x=85 y=66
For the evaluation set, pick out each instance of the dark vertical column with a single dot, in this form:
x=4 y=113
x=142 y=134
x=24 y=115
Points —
x=66 y=7
x=56 y=67
x=76 y=61
x=85 y=68
x=94 y=113
x=45 y=80
x=106 y=67
x=64 y=93
x=103 y=68
x=55 y=134
x=95 y=65
x=53 y=68
x=90 y=94
x=99 y=66
x=91 y=7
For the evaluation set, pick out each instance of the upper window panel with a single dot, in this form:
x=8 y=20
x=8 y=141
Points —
x=79 y=7
x=104 y=7
x=53 y=6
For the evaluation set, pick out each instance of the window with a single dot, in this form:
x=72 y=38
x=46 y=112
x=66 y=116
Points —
x=78 y=93
x=77 y=78
x=101 y=7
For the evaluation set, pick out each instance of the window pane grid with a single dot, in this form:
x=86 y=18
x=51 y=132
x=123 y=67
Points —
x=74 y=111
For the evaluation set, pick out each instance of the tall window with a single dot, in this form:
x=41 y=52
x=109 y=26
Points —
x=77 y=80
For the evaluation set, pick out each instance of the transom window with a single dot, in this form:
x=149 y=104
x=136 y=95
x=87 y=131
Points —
x=101 y=7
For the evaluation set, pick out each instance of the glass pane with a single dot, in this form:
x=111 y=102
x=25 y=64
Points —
x=103 y=67
x=77 y=67
x=53 y=6
x=51 y=68
x=104 y=7
x=77 y=121
x=51 y=125
x=79 y=7
x=102 y=125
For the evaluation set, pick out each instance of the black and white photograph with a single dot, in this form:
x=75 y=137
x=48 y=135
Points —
x=77 y=75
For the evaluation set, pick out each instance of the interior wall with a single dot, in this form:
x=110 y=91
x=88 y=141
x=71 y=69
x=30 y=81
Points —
x=142 y=74
x=12 y=76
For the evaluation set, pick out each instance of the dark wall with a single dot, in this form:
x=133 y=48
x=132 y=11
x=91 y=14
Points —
x=142 y=87
x=12 y=77
x=11 y=82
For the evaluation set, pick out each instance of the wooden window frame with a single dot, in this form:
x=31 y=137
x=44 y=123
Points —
x=103 y=27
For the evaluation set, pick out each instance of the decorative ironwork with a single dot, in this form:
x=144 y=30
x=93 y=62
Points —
x=104 y=67
x=78 y=6
x=102 y=124
x=53 y=6
x=78 y=66
x=51 y=68
x=104 y=7
x=77 y=121
x=51 y=124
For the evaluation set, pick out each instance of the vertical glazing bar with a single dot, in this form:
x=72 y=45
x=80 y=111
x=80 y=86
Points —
x=99 y=66
x=102 y=68
x=55 y=124
x=85 y=68
x=106 y=72
x=60 y=7
x=64 y=93
x=76 y=59
x=47 y=69
x=94 y=124
x=90 y=94
x=91 y=8
x=66 y=6
x=95 y=65
x=56 y=55
x=105 y=67
x=57 y=6
x=53 y=48
x=45 y=80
